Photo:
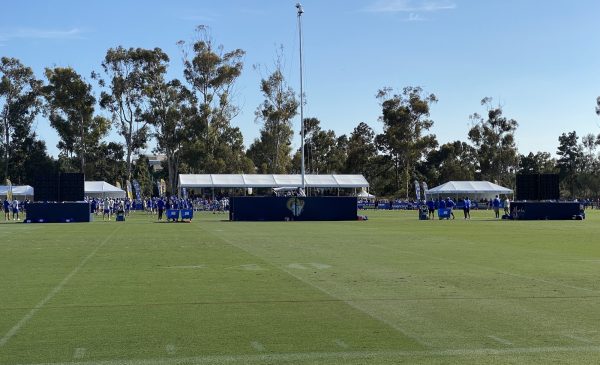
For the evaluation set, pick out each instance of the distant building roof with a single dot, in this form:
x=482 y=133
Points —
x=154 y=160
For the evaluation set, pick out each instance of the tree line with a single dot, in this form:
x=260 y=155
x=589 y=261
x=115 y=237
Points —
x=189 y=120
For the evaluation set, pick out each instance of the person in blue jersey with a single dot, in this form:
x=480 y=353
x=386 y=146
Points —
x=149 y=208
x=93 y=207
x=6 y=205
x=496 y=206
x=467 y=208
x=431 y=208
x=160 y=204
x=450 y=205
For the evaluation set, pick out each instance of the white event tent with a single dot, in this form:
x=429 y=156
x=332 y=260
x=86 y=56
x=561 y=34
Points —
x=472 y=189
x=102 y=189
x=271 y=181
x=17 y=190
x=365 y=195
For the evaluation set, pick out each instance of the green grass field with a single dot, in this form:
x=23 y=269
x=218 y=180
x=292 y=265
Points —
x=386 y=291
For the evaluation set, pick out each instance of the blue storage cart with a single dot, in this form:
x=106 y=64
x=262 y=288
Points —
x=173 y=214
x=444 y=213
x=187 y=214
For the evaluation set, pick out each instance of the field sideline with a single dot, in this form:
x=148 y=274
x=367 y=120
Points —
x=386 y=291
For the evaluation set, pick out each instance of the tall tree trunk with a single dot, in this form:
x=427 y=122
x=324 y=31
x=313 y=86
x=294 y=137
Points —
x=172 y=166
x=129 y=150
x=6 y=147
x=81 y=130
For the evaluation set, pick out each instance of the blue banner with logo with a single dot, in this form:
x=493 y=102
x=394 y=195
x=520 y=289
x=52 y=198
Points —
x=136 y=188
x=244 y=208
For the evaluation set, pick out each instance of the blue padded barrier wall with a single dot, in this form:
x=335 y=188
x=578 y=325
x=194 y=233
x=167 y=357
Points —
x=58 y=212
x=550 y=211
x=292 y=208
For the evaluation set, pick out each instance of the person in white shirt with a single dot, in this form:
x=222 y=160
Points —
x=106 y=210
x=15 y=209
x=507 y=206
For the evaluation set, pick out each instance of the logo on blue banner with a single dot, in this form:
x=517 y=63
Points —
x=136 y=187
x=418 y=190
x=295 y=205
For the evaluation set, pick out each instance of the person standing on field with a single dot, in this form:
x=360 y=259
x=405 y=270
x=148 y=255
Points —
x=467 y=208
x=496 y=206
x=15 y=209
x=6 y=205
x=450 y=205
x=507 y=206
x=431 y=208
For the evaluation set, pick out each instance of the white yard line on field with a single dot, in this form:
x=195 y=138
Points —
x=579 y=339
x=79 y=353
x=501 y=340
x=341 y=344
x=337 y=356
x=257 y=346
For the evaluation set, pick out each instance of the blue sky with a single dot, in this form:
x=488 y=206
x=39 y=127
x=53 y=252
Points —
x=539 y=60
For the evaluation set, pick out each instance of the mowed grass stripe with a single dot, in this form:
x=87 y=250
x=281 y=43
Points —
x=53 y=292
x=215 y=299
x=399 y=259
x=112 y=307
x=350 y=303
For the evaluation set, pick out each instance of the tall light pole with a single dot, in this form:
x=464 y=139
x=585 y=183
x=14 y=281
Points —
x=302 y=169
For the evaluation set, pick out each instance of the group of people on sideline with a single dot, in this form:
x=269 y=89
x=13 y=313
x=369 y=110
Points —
x=434 y=205
x=12 y=206
x=109 y=207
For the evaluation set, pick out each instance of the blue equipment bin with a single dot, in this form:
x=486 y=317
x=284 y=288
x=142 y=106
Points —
x=173 y=214
x=187 y=214
x=444 y=213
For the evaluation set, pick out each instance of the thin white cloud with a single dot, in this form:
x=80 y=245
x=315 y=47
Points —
x=414 y=17
x=36 y=33
x=410 y=6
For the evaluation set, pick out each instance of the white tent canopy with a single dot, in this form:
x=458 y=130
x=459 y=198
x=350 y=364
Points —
x=472 y=189
x=365 y=195
x=271 y=181
x=103 y=189
x=17 y=190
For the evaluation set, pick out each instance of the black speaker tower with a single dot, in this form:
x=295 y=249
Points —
x=538 y=187
x=59 y=187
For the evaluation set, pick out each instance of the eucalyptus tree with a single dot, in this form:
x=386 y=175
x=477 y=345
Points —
x=537 y=163
x=405 y=142
x=172 y=111
x=71 y=113
x=493 y=137
x=20 y=103
x=324 y=151
x=109 y=162
x=127 y=75
x=570 y=159
x=211 y=73
x=451 y=161
x=271 y=151
x=361 y=150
